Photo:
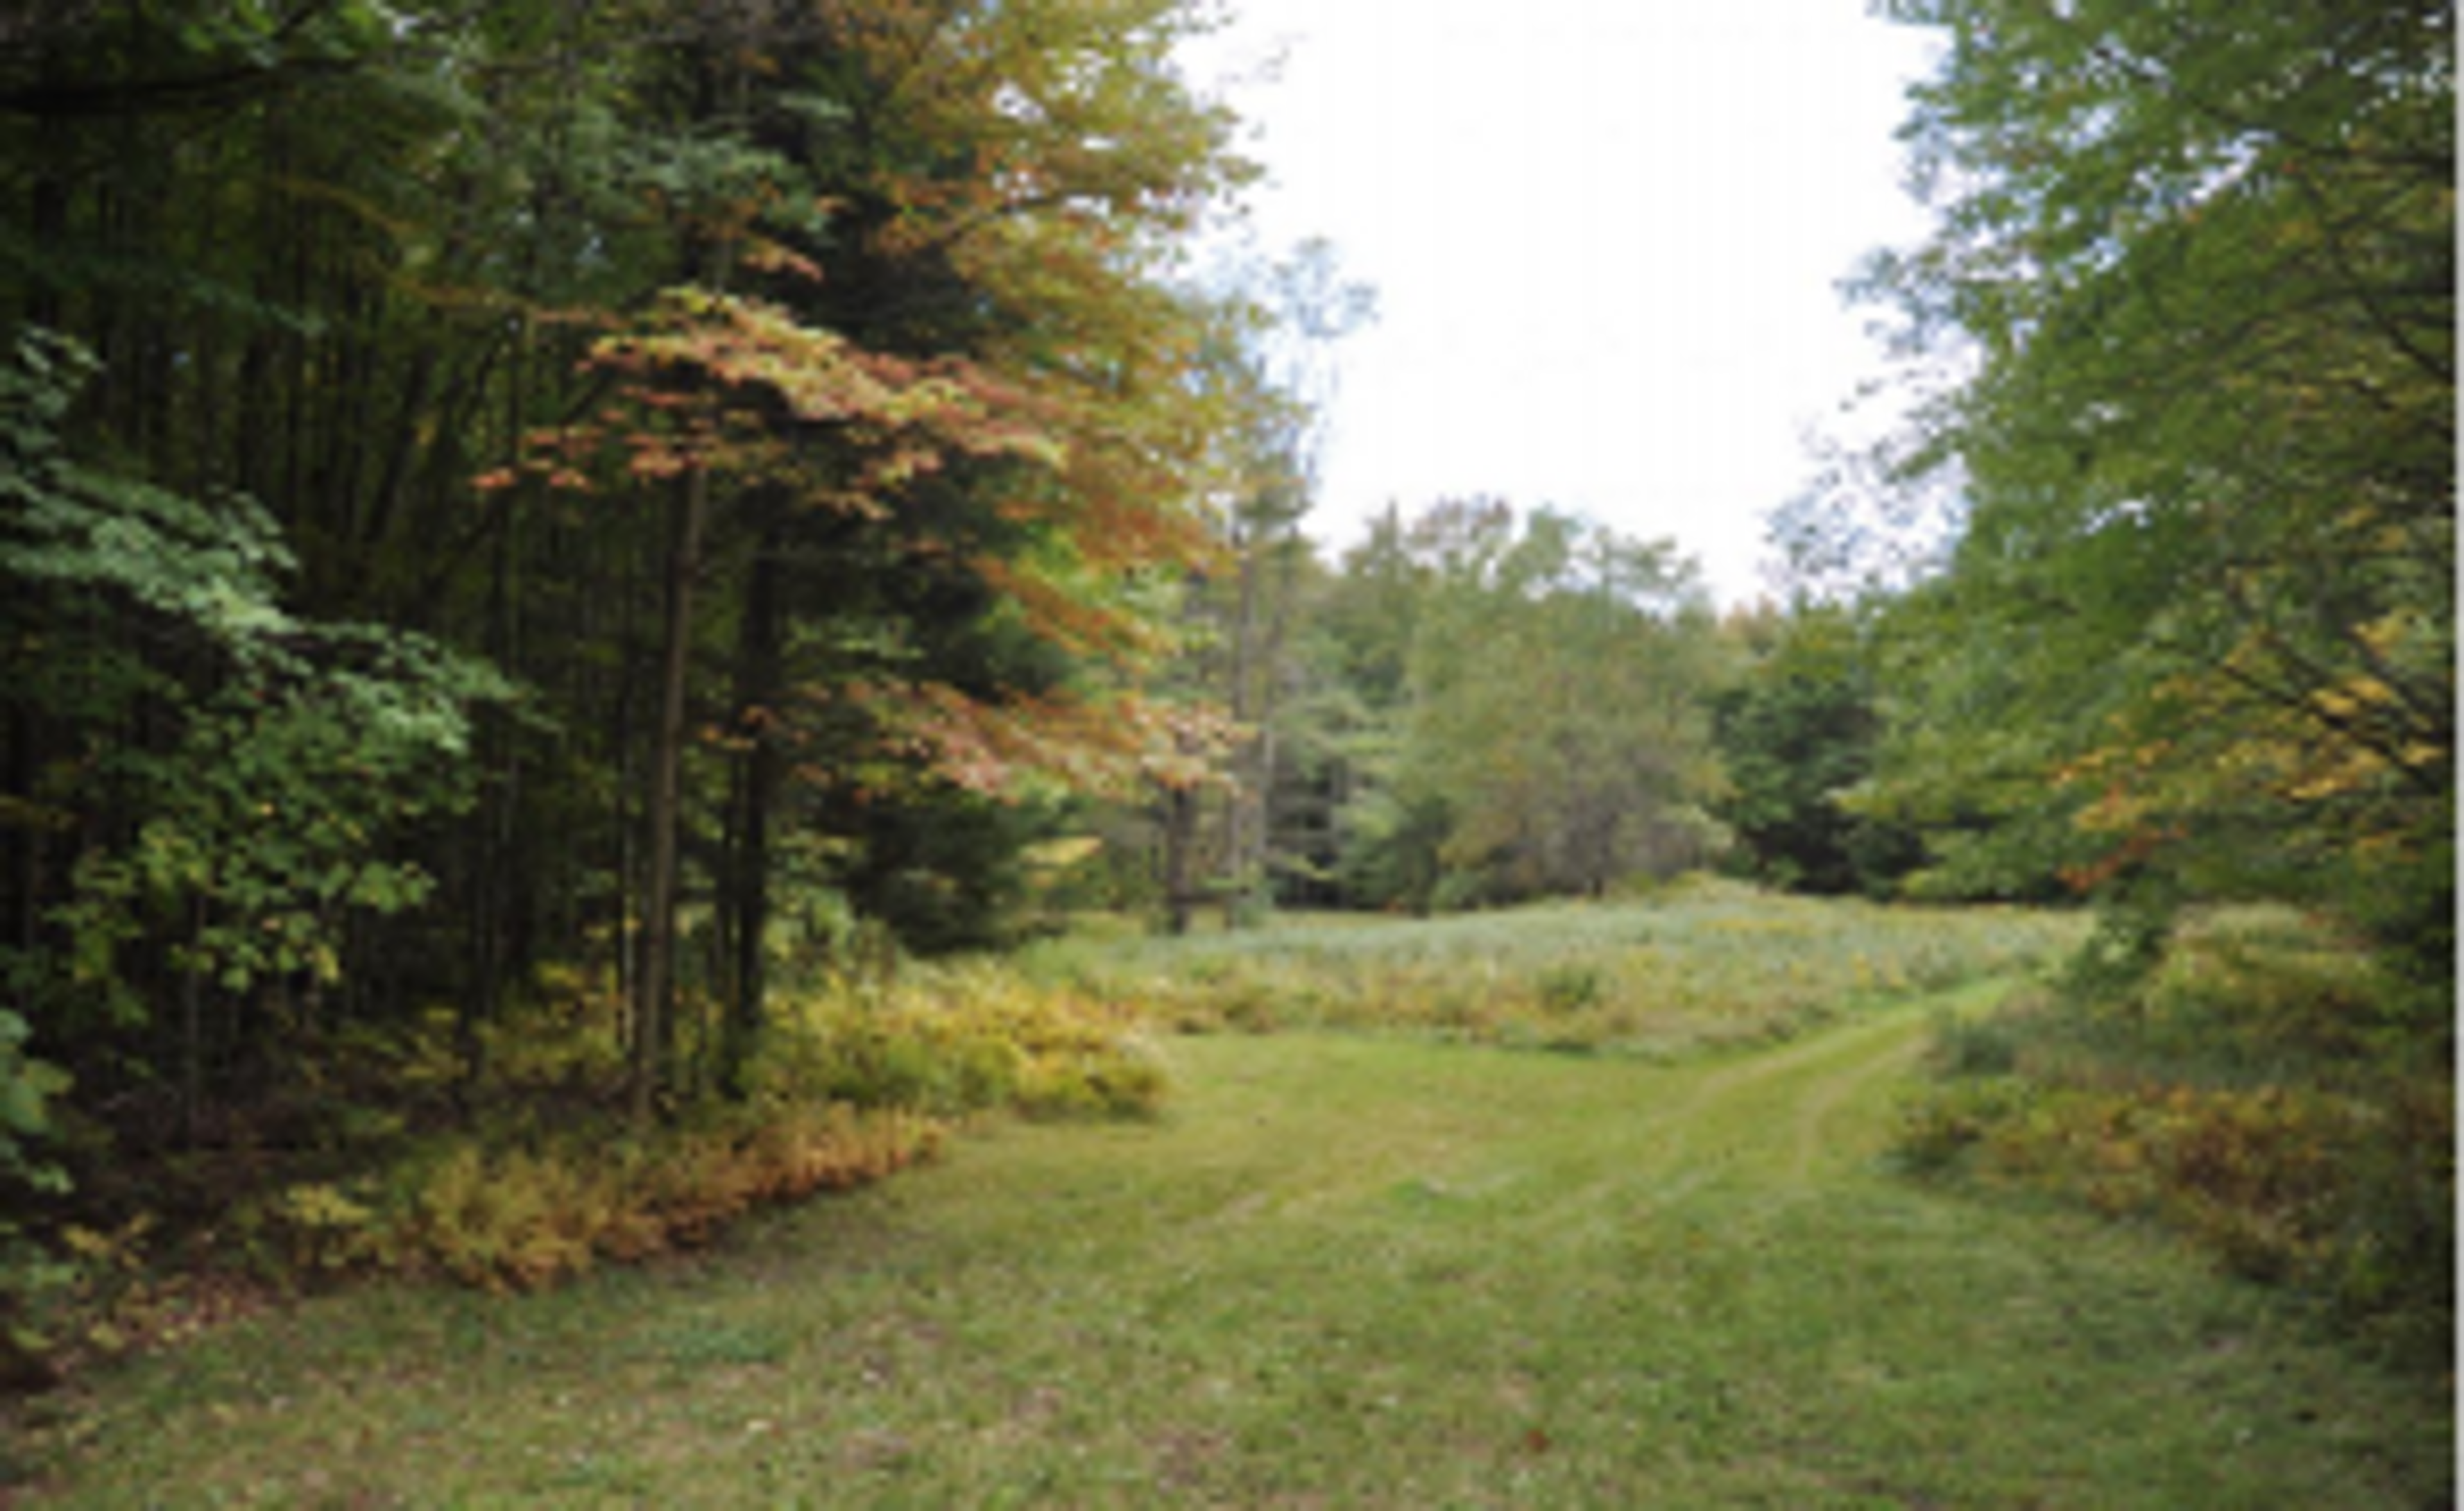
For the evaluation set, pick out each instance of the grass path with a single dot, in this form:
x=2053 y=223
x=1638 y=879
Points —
x=1341 y=1271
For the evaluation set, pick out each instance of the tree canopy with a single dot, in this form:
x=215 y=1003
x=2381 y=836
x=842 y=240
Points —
x=2197 y=631
x=574 y=467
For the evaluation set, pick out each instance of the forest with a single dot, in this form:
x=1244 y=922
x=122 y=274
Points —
x=544 y=540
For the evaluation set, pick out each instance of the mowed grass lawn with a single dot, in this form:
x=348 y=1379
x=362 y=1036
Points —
x=1341 y=1270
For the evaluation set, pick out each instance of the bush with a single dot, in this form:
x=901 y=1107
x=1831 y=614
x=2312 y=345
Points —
x=1568 y=988
x=854 y=1083
x=957 y=1041
x=31 y=1275
x=1986 y=1046
x=519 y=1218
x=2246 y=1093
x=1939 y=1127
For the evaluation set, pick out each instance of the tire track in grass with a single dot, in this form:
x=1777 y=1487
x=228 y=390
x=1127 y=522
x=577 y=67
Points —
x=1893 y=1055
x=1765 y=1112
x=1341 y=1272
x=1775 y=1123
x=1792 y=1105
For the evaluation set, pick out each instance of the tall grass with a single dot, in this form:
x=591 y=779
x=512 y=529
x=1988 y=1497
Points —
x=1703 y=966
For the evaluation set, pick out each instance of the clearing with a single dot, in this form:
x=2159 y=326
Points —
x=1340 y=1270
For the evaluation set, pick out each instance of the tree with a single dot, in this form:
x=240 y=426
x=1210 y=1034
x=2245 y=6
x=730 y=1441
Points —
x=230 y=782
x=1271 y=359
x=951 y=426
x=2197 y=634
x=797 y=402
x=1552 y=731
x=1797 y=734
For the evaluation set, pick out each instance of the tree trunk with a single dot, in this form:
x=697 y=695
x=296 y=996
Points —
x=192 y=1033
x=493 y=751
x=760 y=649
x=651 y=1026
x=1234 y=881
x=1179 y=850
x=1265 y=775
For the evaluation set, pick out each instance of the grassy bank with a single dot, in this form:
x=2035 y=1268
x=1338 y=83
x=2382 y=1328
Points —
x=1356 y=1270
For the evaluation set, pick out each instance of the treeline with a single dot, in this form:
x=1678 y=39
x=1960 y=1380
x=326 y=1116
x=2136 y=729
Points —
x=2193 y=639
x=1475 y=706
x=2152 y=602
x=521 y=517
x=495 y=483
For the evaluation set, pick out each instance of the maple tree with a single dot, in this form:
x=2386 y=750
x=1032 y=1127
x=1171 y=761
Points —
x=795 y=402
x=2196 y=637
x=1012 y=444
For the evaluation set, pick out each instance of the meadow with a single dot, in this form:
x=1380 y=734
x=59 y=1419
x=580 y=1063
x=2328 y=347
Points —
x=1402 y=1264
x=1702 y=964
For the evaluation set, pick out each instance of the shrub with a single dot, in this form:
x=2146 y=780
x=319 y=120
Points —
x=1939 y=1127
x=852 y=1083
x=2244 y=1094
x=518 y=1218
x=959 y=1040
x=1984 y=1046
x=32 y=1276
x=1569 y=988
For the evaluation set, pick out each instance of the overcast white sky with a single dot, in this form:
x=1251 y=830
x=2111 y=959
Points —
x=1605 y=236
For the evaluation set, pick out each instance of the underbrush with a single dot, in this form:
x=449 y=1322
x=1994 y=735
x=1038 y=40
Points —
x=521 y=1215
x=2268 y=1092
x=965 y=1039
x=542 y=1175
x=1700 y=965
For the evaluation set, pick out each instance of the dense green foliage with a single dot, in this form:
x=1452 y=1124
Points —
x=2195 y=639
x=494 y=490
x=1478 y=705
x=1798 y=735
x=2197 y=634
x=535 y=540
x=275 y=750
